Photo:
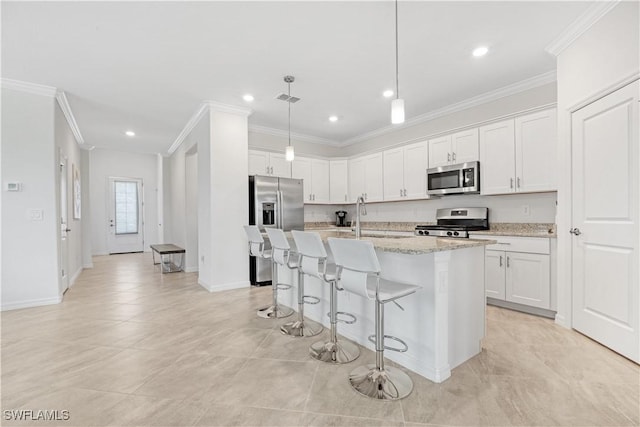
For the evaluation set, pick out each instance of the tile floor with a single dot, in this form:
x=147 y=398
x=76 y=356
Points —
x=129 y=346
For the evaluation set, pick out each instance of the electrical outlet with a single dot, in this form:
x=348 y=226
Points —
x=202 y=259
x=35 y=214
x=526 y=210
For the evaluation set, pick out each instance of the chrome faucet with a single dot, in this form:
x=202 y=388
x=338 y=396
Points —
x=360 y=210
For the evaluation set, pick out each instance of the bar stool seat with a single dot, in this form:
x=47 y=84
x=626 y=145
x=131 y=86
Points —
x=314 y=262
x=359 y=272
x=256 y=248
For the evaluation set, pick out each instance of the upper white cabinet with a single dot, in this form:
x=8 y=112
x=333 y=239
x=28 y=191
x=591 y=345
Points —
x=338 y=181
x=456 y=148
x=366 y=177
x=270 y=164
x=519 y=155
x=315 y=173
x=405 y=172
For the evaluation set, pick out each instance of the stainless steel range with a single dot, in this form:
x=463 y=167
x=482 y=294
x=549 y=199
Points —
x=457 y=222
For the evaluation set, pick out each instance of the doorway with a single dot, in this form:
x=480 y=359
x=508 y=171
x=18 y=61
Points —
x=64 y=229
x=126 y=217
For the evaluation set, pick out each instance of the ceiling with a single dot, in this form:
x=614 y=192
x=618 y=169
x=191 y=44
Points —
x=147 y=66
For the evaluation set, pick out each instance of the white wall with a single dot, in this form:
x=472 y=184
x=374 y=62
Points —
x=191 y=212
x=29 y=156
x=87 y=261
x=507 y=208
x=603 y=57
x=66 y=142
x=107 y=163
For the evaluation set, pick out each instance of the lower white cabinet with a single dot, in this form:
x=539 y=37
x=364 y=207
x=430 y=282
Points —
x=517 y=269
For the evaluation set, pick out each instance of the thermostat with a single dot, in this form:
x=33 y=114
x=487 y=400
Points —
x=14 y=186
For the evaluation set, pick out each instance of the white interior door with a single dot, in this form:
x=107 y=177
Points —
x=64 y=228
x=605 y=193
x=125 y=227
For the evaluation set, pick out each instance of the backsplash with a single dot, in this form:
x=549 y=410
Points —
x=511 y=208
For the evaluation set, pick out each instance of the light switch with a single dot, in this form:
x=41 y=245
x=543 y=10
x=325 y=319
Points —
x=35 y=214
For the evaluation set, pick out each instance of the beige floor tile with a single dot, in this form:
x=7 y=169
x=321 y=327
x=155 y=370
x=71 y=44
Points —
x=152 y=411
x=320 y=420
x=233 y=415
x=239 y=342
x=284 y=347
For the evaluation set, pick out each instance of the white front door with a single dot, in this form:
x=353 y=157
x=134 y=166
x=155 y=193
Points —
x=125 y=215
x=605 y=193
x=64 y=229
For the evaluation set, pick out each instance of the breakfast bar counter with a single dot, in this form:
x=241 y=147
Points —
x=443 y=323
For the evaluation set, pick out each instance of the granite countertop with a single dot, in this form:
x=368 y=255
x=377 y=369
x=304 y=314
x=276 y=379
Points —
x=410 y=245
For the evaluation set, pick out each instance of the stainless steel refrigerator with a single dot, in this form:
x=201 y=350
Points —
x=273 y=202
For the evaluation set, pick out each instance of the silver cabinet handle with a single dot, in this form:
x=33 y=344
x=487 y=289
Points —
x=500 y=260
x=575 y=231
x=271 y=170
x=507 y=261
x=448 y=157
x=405 y=192
x=345 y=197
x=314 y=197
x=518 y=180
x=510 y=182
x=401 y=192
x=267 y=169
x=454 y=157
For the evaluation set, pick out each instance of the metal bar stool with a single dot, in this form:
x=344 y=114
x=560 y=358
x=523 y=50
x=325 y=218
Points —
x=358 y=271
x=300 y=327
x=256 y=248
x=314 y=262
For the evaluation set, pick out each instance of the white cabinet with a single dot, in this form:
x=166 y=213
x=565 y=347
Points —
x=365 y=177
x=270 y=164
x=338 y=181
x=517 y=270
x=519 y=155
x=315 y=174
x=405 y=172
x=456 y=148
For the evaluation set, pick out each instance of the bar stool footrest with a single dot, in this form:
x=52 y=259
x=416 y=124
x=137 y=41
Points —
x=372 y=338
x=282 y=286
x=310 y=299
x=351 y=321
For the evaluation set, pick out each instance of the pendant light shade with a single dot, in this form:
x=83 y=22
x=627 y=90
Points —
x=397 y=105
x=289 y=154
x=397 y=111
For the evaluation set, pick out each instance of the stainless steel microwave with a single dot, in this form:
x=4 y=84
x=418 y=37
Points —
x=454 y=179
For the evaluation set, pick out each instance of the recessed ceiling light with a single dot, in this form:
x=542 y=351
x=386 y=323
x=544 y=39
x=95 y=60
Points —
x=387 y=93
x=248 y=97
x=130 y=133
x=333 y=118
x=480 y=51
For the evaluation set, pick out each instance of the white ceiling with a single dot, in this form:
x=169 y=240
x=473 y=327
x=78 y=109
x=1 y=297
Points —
x=147 y=66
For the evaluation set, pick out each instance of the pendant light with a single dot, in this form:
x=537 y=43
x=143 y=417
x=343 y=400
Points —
x=289 y=153
x=397 y=105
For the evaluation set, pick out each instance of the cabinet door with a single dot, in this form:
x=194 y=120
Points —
x=258 y=162
x=528 y=279
x=301 y=169
x=494 y=274
x=280 y=167
x=497 y=158
x=465 y=146
x=356 y=178
x=393 y=174
x=319 y=181
x=373 y=181
x=536 y=151
x=338 y=181
x=440 y=151
x=415 y=171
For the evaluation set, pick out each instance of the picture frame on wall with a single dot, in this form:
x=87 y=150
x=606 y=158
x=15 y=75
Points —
x=77 y=194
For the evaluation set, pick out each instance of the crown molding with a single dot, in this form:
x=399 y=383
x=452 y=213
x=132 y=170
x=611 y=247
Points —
x=512 y=89
x=193 y=121
x=297 y=136
x=578 y=27
x=28 y=87
x=61 y=97
x=227 y=108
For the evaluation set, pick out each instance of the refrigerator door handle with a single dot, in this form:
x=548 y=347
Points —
x=279 y=210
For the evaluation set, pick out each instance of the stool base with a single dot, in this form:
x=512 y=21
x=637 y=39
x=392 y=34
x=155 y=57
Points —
x=334 y=352
x=275 y=312
x=298 y=328
x=388 y=384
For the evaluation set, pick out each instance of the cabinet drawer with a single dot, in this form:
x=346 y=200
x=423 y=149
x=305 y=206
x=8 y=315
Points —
x=535 y=245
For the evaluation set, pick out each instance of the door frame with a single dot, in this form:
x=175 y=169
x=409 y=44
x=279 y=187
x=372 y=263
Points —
x=63 y=221
x=109 y=208
x=565 y=199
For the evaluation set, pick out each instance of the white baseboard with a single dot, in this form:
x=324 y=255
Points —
x=192 y=269
x=88 y=265
x=224 y=286
x=562 y=321
x=75 y=276
x=31 y=303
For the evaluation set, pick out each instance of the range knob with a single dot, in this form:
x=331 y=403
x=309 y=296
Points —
x=455 y=233
x=426 y=233
x=421 y=232
x=449 y=233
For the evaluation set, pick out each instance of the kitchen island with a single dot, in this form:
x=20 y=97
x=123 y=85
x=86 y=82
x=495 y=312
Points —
x=443 y=323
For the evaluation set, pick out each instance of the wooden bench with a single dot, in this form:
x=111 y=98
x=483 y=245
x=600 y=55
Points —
x=166 y=251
